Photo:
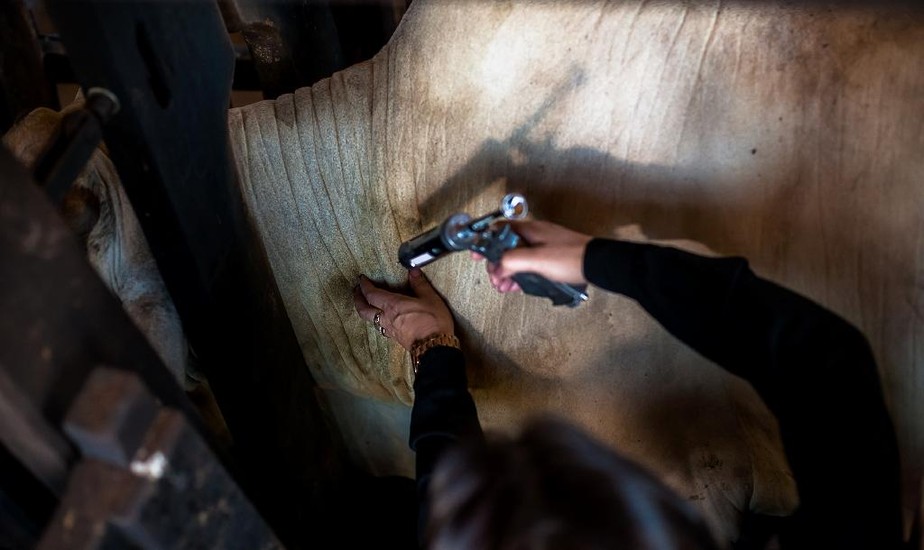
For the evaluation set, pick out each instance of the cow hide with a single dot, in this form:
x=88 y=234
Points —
x=788 y=135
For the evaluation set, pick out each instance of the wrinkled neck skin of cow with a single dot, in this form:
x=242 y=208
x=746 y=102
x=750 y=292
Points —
x=98 y=211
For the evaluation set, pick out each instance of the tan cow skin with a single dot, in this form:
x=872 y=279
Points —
x=793 y=136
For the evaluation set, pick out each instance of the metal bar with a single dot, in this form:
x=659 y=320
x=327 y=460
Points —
x=170 y=64
x=74 y=140
x=58 y=65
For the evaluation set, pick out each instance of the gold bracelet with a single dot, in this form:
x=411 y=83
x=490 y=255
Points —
x=423 y=346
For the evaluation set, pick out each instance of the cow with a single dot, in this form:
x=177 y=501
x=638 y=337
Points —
x=790 y=135
x=787 y=134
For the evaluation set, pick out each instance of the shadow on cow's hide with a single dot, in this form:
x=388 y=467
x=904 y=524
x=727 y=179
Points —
x=562 y=186
x=673 y=203
x=681 y=422
x=668 y=203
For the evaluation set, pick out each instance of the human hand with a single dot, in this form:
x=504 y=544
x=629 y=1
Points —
x=555 y=252
x=407 y=319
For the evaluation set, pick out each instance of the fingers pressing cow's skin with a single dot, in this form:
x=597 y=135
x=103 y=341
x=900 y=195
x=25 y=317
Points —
x=366 y=311
x=407 y=319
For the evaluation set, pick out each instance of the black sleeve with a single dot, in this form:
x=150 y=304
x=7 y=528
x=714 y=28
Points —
x=814 y=370
x=443 y=413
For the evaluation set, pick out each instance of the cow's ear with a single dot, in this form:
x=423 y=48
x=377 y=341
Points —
x=81 y=210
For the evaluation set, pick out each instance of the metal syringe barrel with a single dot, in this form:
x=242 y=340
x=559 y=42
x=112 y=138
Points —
x=456 y=233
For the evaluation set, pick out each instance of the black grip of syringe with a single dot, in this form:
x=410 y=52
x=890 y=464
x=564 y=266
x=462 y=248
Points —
x=561 y=294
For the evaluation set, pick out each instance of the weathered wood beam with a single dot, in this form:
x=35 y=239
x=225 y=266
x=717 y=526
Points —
x=147 y=479
x=58 y=320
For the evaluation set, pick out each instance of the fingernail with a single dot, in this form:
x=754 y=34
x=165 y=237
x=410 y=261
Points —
x=415 y=273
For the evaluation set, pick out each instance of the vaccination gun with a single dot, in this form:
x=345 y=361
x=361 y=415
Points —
x=460 y=232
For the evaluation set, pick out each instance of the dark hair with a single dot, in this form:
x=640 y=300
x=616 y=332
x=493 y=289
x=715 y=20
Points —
x=554 y=487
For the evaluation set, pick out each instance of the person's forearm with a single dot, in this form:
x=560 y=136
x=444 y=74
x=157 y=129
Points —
x=750 y=326
x=443 y=407
x=443 y=413
x=813 y=369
